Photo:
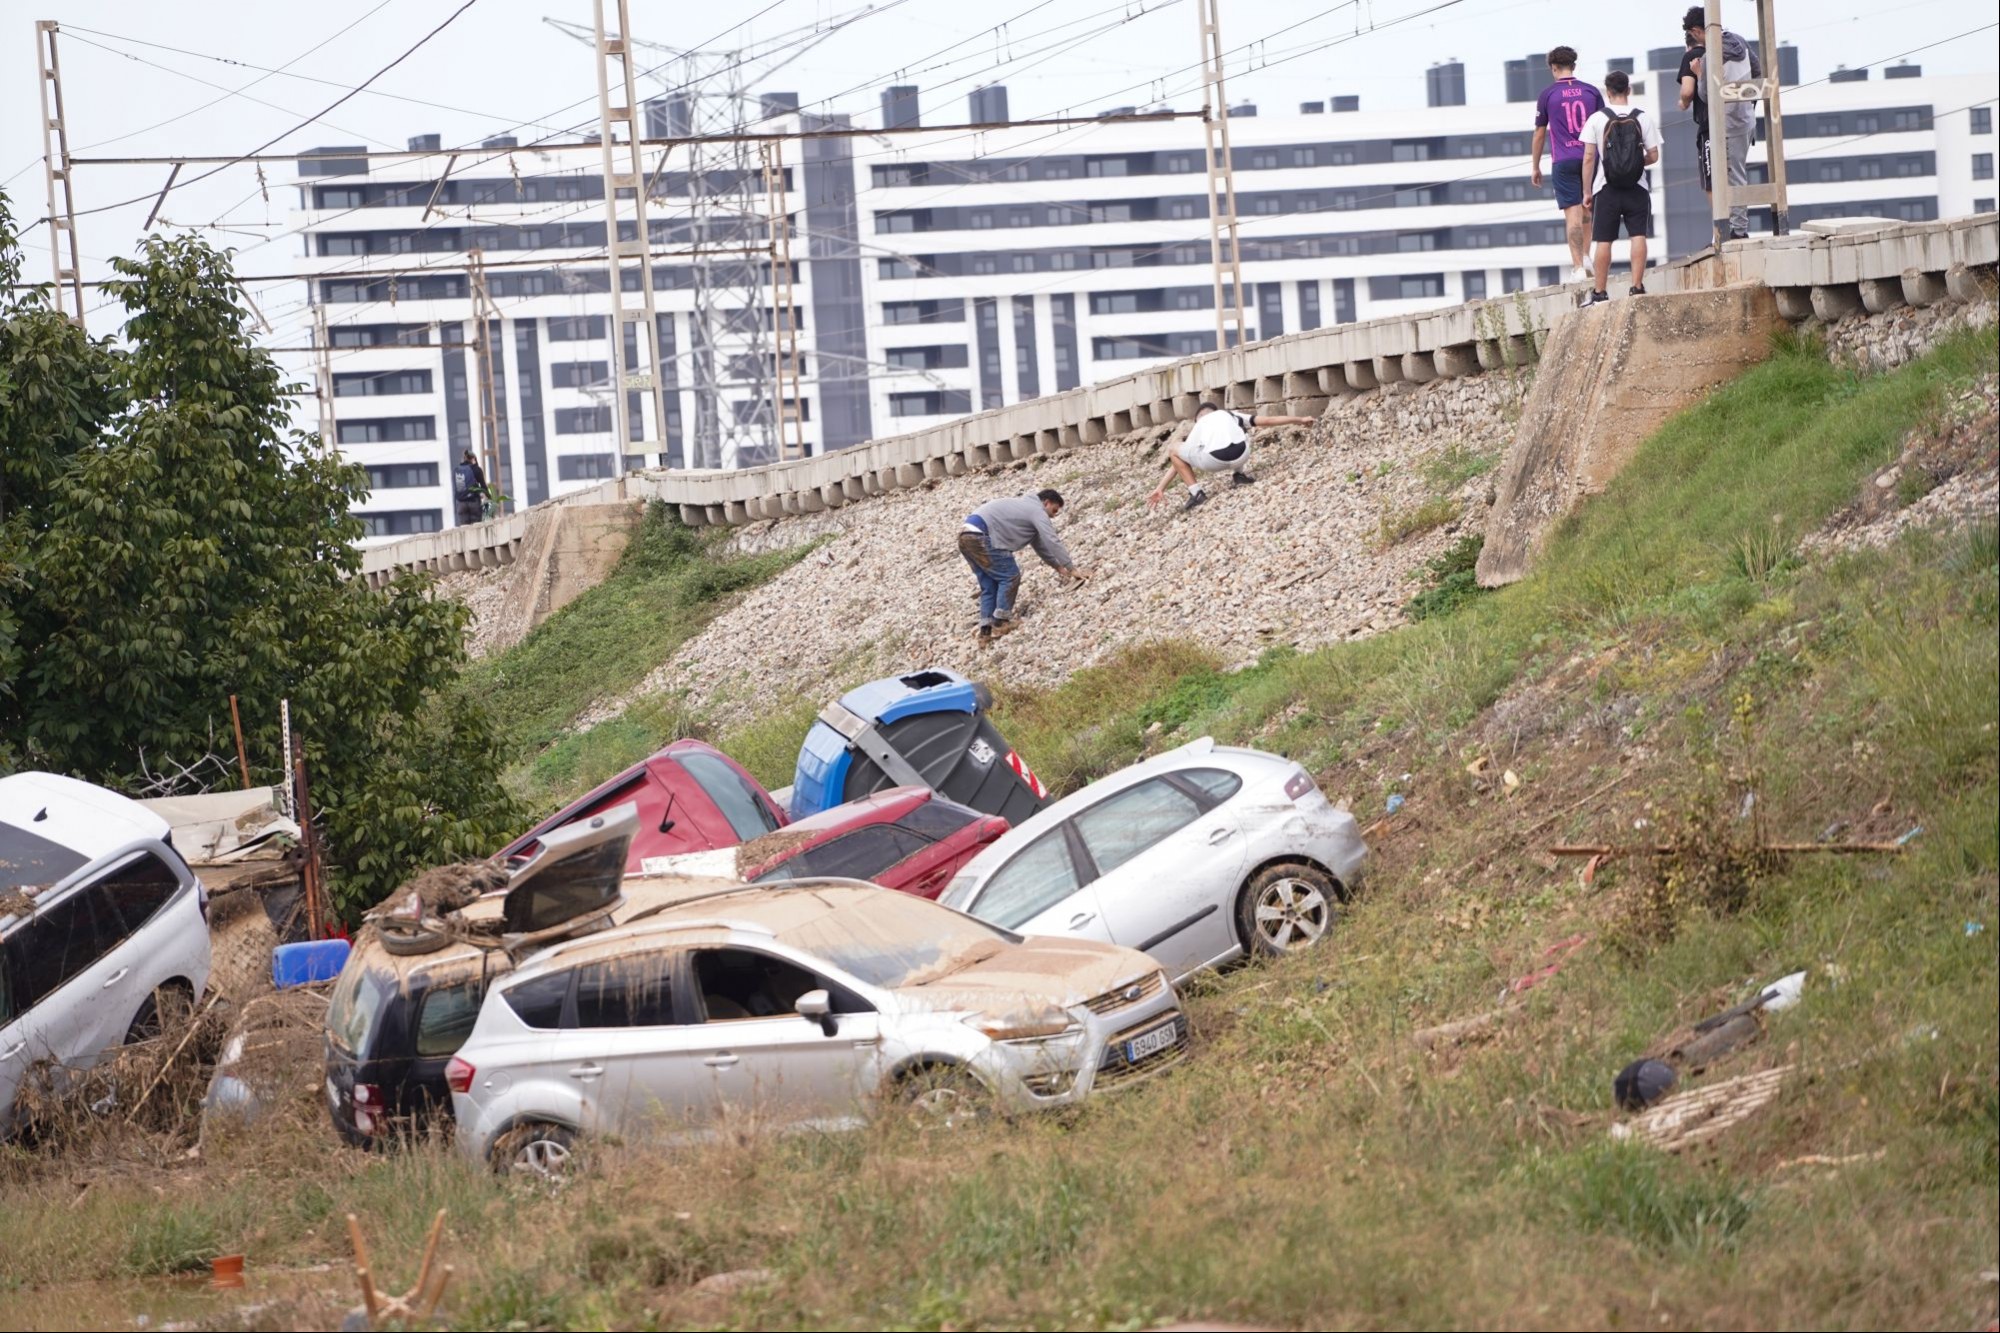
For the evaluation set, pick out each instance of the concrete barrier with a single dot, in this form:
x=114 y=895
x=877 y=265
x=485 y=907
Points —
x=1825 y=271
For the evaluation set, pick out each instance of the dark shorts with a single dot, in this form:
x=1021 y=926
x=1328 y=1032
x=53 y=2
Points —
x=1568 y=177
x=1630 y=205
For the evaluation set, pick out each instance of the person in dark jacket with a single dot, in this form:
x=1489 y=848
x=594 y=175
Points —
x=468 y=490
x=988 y=539
x=1739 y=62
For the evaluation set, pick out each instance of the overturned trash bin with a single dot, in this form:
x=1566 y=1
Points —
x=926 y=729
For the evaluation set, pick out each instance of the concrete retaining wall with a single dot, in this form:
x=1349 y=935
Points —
x=1825 y=272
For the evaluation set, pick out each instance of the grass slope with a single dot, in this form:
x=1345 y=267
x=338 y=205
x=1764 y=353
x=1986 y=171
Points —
x=1312 y=1166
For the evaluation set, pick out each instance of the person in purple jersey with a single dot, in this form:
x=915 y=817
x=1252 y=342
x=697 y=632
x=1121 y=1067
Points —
x=1561 y=112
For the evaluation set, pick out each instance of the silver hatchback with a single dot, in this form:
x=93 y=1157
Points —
x=798 y=1005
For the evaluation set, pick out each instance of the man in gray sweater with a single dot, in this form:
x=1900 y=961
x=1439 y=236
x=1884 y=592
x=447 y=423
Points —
x=988 y=539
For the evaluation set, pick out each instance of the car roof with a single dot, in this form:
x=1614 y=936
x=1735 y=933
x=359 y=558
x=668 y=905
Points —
x=81 y=817
x=670 y=752
x=1231 y=757
x=879 y=808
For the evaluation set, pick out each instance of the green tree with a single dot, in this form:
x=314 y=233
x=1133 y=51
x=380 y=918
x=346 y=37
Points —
x=167 y=540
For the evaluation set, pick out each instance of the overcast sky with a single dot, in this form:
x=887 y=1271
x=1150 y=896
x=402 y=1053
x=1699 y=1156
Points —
x=499 y=65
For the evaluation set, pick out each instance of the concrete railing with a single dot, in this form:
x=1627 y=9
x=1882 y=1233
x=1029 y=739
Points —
x=1827 y=271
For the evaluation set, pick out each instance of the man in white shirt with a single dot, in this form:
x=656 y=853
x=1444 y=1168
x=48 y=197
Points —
x=1218 y=442
x=1619 y=143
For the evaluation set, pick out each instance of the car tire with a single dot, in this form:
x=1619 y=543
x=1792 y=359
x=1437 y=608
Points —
x=1287 y=907
x=168 y=1006
x=536 y=1152
x=943 y=1097
x=406 y=942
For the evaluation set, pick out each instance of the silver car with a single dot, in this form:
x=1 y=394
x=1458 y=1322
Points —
x=798 y=1005
x=1194 y=856
x=100 y=919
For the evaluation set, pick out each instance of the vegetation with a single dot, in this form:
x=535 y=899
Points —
x=1311 y=1165
x=167 y=541
x=1450 y=579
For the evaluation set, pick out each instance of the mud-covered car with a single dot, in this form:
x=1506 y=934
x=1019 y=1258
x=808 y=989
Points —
x=799 y=1004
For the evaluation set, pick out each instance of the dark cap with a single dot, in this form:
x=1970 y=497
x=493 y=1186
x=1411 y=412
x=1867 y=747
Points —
x=1051 y=496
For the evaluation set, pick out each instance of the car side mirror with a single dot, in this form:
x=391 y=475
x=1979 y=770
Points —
x=818 y=1006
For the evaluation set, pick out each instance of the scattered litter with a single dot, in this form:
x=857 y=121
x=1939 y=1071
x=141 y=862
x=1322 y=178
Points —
x=1642 y=1083
x=1921 y=1032
x=307 y=961
x=1606 y=851
x=1821 y=1159
x=1590 y=869
x=1974 y=927
x=1459 y=1031
x=1479 y=766
x=1699 y=1114
x=1557 y=954
x=1749 y=804
x=1833 y=830
x=1395 y=802
x=1738 y=1026
x=1905 y=839
x=741 y=1279
x=1510 y=779
x=226 y=1270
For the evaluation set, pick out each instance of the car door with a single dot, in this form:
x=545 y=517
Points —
x=631 y=1050
x=1040 y=891
x=769 y=1064
x=1168 y=865
x=64 y=982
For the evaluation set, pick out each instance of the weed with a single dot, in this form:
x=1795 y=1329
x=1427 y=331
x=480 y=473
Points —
x=1418 y=519
x=174 y=1241
x=1454 y=465
x=1449 y=579
x=1762 y=553
x=1653 y=1201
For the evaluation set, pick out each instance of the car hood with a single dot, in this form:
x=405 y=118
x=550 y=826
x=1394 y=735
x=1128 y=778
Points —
x=1042 y=971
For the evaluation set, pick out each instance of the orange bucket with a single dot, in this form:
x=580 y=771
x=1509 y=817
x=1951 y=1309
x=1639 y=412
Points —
x=227 y=1270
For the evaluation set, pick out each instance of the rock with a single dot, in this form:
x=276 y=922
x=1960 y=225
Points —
x=741 y=1279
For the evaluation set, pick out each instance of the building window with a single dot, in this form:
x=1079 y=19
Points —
x=1551 y=275
x=583 y=420
x=1511 y=280
x=936 y=403
x=1983 y=205
x=1114 y=303
x=1057 y=170
x=1268 y=204
x=579 y=374
x=1111 y=212
x=1107 y=166
x=1907 y=120
x=1420 y=240
x=1264 y=159
x=1193 y=298
x=979 y=220
x=897 y=267
x=894 y=222
x=384 y=430
x=1410 y=152
x=337 y=198
x=1014 y=171
x=1184 y=208
x=1341 y=155
x=1406 y=287
x=982 y=264
x=576 y=328
x=400 y=522
x=1982 y=166
x=1304 y=157
x=381 y=384
x=1064 y=259
x=1180 y=163
x=583 y=467
x=394 y=476
x=1982 y=120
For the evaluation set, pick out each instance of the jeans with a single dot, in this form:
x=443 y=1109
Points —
x=998 y=574
x=1737 y=164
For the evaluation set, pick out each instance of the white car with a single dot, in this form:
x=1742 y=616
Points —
x=1195 y=856
x=98 y=917
x=791 y=1005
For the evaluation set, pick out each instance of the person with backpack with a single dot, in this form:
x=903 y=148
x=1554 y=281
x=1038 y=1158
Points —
x=1619 y=143
x=1739 y=62
x=1560 y=114
x=468 y=490
x=1219 y=442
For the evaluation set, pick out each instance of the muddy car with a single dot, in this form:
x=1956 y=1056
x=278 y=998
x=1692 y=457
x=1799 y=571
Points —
x=411 y=989
x=906 y=838
x=806 y=1004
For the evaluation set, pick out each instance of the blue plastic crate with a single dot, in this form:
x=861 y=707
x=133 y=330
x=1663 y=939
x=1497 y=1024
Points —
x=309 y=961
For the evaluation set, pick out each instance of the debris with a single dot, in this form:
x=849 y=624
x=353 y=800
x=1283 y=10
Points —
x=1459 y=1031
x=1642 y=1083
x=1479 y=766
x=226 y=1270
x=306 y=962
x=1749 y=804
x=1510 y=779
x=1699 y=1114
x=1738 y=1026
x=1905 y=839
x=741 y=1279
x=1821 y=1159
x=417 y=1303
x=1974 y=927
x=1557 y=954
x=1606 y=852
x=1395 y=802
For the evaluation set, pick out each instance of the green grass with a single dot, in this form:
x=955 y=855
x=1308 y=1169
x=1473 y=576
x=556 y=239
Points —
x=1418 y=519
x=1311 y=1166
x=667 y=586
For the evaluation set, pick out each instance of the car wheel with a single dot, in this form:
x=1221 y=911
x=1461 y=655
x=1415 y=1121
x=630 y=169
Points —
x=944 y=1097
x=536 y=1152
x=408 y=940
x=1285 y=908
x=165 y=1008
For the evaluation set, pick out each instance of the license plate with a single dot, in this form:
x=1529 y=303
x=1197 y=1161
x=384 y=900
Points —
x=1159 y=1039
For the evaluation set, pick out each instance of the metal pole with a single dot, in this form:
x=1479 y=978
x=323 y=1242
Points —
x=1718 y=124
x=1774 y=116
x=56 y=168
x=1221 y=181
x=485 y=315
x=786 y=354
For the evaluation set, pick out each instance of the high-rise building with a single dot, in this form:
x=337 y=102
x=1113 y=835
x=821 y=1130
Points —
x=939 y=273
x=1445 y=83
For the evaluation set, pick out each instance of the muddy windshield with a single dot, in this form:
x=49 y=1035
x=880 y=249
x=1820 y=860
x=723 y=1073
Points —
x=891 y=939
x=358 y=999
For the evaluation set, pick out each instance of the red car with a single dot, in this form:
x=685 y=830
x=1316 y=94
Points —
x=906 y=838
x=691 y=797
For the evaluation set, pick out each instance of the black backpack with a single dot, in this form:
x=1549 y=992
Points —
x=1624 y=149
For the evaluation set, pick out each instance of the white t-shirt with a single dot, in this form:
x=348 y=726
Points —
x=1593 y=137
x=1216 y=433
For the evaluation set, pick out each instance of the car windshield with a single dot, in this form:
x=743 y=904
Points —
x=28 y=858
x=358 y=998
x=891 y=939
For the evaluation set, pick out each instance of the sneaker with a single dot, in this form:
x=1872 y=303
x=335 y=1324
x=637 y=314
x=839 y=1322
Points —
x=1598 y=298
x=1004 y=627
x=1640 y=290
x=1194 y=498
x=1241 y=478
x=1579 y=274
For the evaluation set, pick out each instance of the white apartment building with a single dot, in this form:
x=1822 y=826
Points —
x=940 y=274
